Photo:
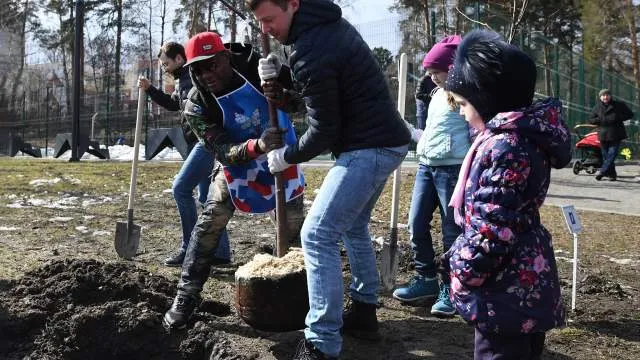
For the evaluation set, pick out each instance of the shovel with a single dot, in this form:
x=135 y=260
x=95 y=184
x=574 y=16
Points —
x=128 y=233
x=389 y=257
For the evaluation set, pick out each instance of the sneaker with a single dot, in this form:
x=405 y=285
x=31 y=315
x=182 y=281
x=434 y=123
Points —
x=419 y=289
x=599 y=176
x=360 y=321
x=443 y=307
x=175 y=259
x=306 y=351
x=181 y=310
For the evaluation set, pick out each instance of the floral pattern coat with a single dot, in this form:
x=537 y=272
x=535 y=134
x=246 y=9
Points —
x=502 y=267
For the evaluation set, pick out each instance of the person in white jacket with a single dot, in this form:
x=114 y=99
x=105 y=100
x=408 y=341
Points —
x=441 y=150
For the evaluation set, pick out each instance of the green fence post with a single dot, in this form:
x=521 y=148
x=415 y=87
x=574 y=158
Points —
x=557 y=75
x=581 y=87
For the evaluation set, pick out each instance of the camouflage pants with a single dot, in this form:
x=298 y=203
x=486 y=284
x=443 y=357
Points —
x=217 y=213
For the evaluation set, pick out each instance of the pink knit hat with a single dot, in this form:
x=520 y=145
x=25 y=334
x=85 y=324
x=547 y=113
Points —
x=441 y=55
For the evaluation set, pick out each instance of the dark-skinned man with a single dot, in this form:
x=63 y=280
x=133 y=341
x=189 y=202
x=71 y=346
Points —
x=229 y=114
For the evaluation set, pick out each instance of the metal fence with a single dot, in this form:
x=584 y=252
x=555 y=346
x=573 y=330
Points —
x=42 y=108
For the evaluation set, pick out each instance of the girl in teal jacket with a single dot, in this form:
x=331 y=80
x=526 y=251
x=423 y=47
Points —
x=441 y=149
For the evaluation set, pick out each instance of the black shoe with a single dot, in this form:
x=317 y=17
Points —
x=306 y=351
x=220 y=261
x=176 y=259
x=360 y=321
x=181 y=310
x=613 y=178
x=599 y=176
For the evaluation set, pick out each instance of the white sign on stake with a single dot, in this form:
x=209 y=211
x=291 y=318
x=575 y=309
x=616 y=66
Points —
x=572 y=219
x=574 y=225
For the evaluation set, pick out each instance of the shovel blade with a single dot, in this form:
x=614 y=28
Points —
x=389 y=265
x=127 y=239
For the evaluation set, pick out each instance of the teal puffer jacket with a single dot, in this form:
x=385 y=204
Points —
x=445 y=140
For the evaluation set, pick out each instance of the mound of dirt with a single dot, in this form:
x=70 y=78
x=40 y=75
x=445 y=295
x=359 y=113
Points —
x=86 y=309
x=595 y=284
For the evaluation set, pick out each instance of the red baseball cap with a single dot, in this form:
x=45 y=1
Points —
x=203 y=46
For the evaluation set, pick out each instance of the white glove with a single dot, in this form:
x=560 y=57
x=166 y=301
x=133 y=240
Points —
x=276 y=160
x=416 y=134
x=269 y=68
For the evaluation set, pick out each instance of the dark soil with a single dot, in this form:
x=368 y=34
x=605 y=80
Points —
x=86 y=309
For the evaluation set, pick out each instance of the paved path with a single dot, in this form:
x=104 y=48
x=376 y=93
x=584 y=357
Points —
x=582 y=190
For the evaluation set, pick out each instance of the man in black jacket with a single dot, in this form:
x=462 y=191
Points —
x=609 y=115
x=350 y=112
x=197 y=167
x=230 y=117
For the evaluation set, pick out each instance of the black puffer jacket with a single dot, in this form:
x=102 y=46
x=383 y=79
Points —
x=609 y=117
x=349 y=105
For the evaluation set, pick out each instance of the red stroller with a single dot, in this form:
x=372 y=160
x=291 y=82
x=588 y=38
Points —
x=588 y=146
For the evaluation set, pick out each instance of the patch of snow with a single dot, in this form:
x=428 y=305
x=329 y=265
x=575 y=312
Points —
x=101 y=233
x=82 y=229
x=42 y=182
x=11 y=228
x=622 y=261
x=61 y=219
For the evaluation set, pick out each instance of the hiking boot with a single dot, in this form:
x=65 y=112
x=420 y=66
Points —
x=443 y=307
x=360 y=321
x=420 y=288
x=306 y=351
x=175 y=259
x=181 y=310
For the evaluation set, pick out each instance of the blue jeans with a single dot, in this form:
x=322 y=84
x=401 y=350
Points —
x=341 y=212
x=433 y=188
x=610 y=151
x=195 y=171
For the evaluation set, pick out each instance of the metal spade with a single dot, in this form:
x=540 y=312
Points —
x=127 y=233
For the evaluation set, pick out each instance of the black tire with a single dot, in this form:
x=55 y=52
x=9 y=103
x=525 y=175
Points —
x=577 y=166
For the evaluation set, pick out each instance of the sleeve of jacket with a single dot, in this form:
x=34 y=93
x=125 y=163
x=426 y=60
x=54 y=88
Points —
x=595 y=116
x=167 y=101
x=207 y=126
x=321 y=94
x=495 y=217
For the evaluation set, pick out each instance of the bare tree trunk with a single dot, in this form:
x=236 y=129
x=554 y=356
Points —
x=18 y=78
x=631 y=22
x=517 y=15
x=445 y=23
x=117 y=104
x=427 y=23
x=150 y=72
x=66 y=49
x=163 y=19
x=233 y=24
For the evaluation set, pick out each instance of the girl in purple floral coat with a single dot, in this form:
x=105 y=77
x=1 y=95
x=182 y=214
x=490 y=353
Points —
x=503 y=272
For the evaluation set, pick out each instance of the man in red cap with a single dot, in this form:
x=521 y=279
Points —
x=229 y=114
